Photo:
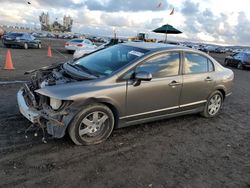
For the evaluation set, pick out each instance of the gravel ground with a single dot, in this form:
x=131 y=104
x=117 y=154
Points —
x=188 y=151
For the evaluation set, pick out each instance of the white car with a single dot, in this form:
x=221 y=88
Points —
x=80 y=52
x=76 y=44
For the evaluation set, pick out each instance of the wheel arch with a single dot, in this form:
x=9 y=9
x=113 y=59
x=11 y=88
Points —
x=222 y=90
x=109 y=103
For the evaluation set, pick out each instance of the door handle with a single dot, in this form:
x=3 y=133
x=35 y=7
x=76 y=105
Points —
x=208 y=79
x=174 y=83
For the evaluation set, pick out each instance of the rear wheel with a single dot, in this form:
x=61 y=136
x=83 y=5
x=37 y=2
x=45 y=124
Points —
x=92 y=125
x=213 y=105
x=8 y=45
x=39 y=46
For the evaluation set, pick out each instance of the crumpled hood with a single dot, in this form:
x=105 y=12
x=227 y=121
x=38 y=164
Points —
x=74 y=90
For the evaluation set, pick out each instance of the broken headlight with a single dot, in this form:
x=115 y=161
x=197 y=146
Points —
x=55 y=103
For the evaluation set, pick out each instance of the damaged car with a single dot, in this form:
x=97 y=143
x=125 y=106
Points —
x=123 y=85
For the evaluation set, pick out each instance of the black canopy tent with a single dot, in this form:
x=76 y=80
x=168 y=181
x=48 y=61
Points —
x=167 y=29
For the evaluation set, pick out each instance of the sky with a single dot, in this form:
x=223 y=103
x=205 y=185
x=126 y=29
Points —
x=212 y=21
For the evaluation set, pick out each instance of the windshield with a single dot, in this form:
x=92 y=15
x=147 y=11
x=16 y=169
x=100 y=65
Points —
x=107 y=61
x=15 y=34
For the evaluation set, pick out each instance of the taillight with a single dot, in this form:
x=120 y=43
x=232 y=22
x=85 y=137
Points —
x=79 y=45
x=66 y=44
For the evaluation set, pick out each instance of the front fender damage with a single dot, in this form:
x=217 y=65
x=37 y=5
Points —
x=56 y=122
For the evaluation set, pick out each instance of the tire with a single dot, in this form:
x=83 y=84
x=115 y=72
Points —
x=39 y=46
x=240 y=66
x=213 y=105
x=25 y=46
x=7 y=45
x=92 y=125
x=226 y=63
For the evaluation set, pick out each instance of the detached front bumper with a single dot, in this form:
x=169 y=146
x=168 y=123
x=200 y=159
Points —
x=55 y=122
x=28 y=112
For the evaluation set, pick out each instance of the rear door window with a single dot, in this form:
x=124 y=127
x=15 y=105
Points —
x=196 y=63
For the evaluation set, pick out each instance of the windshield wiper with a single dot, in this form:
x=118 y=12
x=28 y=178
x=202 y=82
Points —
x=80 y=68
x=85 y=69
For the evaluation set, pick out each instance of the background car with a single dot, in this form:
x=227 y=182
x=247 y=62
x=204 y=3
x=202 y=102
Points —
x=240 y=60
x=220 y=50
x=24 y=40
x=80 y=52
x=75 y=44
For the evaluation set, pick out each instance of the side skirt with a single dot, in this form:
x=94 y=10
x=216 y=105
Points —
x=125 y=123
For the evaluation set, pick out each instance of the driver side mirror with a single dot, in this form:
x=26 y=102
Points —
x=142 y=76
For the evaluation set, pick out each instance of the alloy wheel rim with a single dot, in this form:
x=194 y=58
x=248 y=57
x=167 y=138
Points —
x=214 y=104
x=239 y=66
x=92 y=123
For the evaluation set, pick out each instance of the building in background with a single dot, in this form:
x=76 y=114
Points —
x=67 y=23
x=55 y=26
x=44 y=20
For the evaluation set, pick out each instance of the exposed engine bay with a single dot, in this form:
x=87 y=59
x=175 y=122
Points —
x=41 y=78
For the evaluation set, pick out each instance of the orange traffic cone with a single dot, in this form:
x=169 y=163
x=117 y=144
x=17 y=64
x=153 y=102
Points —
x=8 y=61
x=49 y=52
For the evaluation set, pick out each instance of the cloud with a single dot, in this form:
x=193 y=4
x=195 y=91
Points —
x=205 y=25
x=190 y=8
x=126 y=5
x=198 y=21
x=242 y=29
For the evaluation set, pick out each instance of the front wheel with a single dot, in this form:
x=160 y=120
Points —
x=92 y=125
x=25 y=46
x=226 y=63
x=7 y=45
x=240 y=66
x=213 y=105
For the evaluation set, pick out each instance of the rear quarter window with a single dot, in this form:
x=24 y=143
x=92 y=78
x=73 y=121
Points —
x=210 y=66
x=195 y=63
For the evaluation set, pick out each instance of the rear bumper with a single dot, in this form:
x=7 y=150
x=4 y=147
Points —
x=246 y=65
x=31 y=114
x=71 y=48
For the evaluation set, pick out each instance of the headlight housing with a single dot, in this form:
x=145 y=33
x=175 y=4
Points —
x=55 y=103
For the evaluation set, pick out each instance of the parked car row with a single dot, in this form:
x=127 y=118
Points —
x=23 y=40
x=240 y=60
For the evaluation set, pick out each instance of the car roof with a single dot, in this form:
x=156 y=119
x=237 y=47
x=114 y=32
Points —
x=154 y=46
x=18 y=33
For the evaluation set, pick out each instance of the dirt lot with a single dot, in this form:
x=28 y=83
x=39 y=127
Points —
x=188 y=151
